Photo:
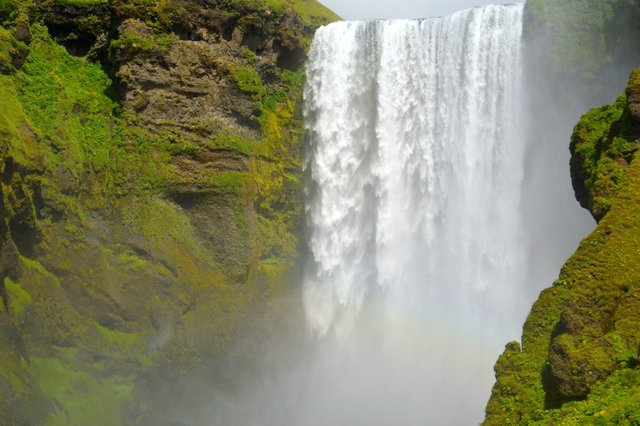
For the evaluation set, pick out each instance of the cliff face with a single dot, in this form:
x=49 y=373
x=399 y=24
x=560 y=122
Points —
x=579 y=358
x=579 y=362
x=150 y=197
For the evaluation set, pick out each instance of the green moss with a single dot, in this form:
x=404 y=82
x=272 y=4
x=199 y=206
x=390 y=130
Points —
x=64 y=98
x=157 y=14
x=8 y=10
x=184 y=148
x=130 y=342
x=172 y=237
x=36 y=267
x=108 y=231
x=19 y=299
x=312 y=11
x=82 y=3
x=232 y=142
x=15 y=129
x=249 y=55
x=9 y=47
x=247 y=80
x=599 y=158
x=84 y=399
x=578 y=364
x=136 y=44
x=130 y=260
x=226 y=182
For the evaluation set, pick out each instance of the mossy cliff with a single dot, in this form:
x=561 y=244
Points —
x=583 y=49
x=150 y=196
x=579 y=362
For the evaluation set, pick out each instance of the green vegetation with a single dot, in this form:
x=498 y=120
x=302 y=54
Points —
x=136 y=44
x=313 y=12
x=19 y=299
x=10 y=48
x=232 y=142
x=8 y=10
x=87 y=401
x=247 y=80
x=82 y=3
x=578 y=364
x=54 y=85
x=129 y=236
x=599 y=156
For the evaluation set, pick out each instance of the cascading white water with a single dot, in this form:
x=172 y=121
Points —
x=416 y=241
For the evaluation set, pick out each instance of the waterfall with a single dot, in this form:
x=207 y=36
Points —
x=417 y=248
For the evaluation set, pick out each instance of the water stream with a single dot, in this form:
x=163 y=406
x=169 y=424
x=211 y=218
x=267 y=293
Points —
x=415 y=164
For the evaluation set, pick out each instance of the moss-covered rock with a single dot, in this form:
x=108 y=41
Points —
x=602 y=147
x=150 y=197
x=578 y=361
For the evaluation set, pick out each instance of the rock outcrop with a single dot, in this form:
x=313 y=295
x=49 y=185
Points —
x=150 y=208
x=579 y=356
x=578 y=360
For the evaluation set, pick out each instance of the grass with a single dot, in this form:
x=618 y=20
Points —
x=8 y=10
x=229 y=141
x=125 y=342
x=9 y=47
x=312 y=11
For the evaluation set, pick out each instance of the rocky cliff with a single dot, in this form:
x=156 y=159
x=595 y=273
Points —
x=578 y=362
x=150 y=198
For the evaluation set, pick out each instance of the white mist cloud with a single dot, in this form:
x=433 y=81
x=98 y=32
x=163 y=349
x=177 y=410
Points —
x=390 y=9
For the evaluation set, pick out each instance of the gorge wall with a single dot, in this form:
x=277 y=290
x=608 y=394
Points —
x=150 y=199
x=578 y=361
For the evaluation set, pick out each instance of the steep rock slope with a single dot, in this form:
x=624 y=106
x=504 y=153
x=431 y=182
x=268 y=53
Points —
x=150 y=197
x=579 y=360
